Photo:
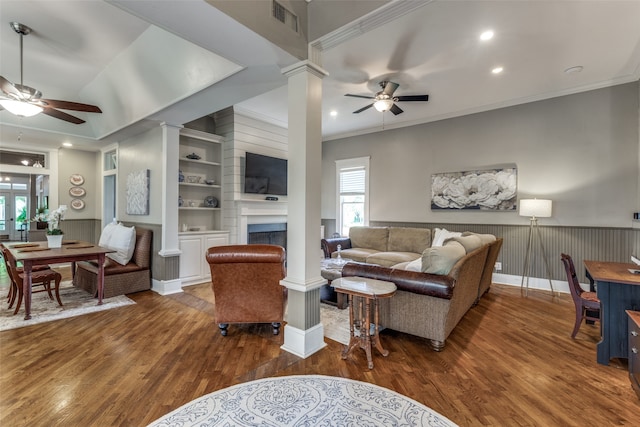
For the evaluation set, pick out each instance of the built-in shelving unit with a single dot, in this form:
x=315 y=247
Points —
x=199 y=222
x=194 y=211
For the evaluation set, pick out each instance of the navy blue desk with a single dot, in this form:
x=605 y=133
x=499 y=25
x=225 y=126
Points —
x=618 y=290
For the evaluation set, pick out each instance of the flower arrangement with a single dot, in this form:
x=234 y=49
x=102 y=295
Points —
x=52 y=219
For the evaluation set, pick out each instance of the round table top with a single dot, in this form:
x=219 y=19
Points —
x=364 y=286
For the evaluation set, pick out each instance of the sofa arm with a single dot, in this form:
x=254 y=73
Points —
x=329 y=246
x=433 y=285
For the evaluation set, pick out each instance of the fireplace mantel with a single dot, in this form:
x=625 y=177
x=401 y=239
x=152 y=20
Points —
x=258 y=212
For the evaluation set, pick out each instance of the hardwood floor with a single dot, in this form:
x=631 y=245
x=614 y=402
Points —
x=510 y=362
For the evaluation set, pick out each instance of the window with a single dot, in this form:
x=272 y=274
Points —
x=352 y=178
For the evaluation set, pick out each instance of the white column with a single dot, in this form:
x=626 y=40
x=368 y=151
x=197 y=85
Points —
x=304 y=334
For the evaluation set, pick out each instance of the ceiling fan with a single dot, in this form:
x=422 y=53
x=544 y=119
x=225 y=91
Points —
x=26 y=101
x=385 y=101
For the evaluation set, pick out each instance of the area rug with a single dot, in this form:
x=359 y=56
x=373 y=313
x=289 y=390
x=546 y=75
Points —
x=335 y=323
x=75 y=302
x=303 y=400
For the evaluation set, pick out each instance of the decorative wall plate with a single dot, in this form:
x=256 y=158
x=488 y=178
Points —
x=77 y=192
x=76 y=179
x=77 y=204
x=211 y=202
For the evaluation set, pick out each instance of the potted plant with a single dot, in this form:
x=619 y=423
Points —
x=52 y=219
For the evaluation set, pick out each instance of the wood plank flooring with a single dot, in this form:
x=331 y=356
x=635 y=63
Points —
x=510 y=362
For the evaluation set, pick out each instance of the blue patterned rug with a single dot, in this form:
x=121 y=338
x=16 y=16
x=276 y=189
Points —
x=304 y=400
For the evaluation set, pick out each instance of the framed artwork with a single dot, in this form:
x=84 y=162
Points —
x=487 y=190
x=138 y=193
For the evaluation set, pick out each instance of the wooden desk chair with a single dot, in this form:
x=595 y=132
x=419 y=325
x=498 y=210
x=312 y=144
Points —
x=39 y=277
x=587 y=303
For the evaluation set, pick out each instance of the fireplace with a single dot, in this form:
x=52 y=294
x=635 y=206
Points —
x=271 y=234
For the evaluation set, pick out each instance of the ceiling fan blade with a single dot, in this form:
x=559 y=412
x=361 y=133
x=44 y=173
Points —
x=62 y=116
x=68 y=105
x=360 y=96
x=8 y=88
x=389 y=88
x=395 y=110
x=413 y=98
x=363 y=108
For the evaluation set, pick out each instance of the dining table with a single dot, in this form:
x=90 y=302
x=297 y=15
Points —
x=39 y=253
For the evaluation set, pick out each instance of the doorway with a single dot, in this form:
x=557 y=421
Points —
x=14 y=211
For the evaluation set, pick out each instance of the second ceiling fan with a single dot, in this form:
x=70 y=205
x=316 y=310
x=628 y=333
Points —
x=385 y=101
x=24 y=101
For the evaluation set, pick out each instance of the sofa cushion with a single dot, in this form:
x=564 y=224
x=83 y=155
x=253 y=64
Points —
x=442 y=234
x=403 y=239
x=440 y=259
x=123 y=241
x=415 y=265
x=470 y=243
x=369 y=237
x=355 y=254
x=485 y=238
x=387 y=259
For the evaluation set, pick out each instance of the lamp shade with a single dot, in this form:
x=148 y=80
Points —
x=383 y=105
x=20 y=108
x=535 y=208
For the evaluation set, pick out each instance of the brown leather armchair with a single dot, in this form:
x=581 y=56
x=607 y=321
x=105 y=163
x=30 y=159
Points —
x=246 y=284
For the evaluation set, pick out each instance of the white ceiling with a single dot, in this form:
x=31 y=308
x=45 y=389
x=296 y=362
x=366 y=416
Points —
x=433 y=47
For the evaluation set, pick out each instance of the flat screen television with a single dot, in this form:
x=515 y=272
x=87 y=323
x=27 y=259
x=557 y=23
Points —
x=265 y=175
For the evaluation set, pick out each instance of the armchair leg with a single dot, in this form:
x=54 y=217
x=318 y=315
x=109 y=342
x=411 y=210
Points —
x=276 y=328
x=223 y=328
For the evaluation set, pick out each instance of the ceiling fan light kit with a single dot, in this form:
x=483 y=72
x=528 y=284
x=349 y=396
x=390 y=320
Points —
x=385 y=101
x=25 y=101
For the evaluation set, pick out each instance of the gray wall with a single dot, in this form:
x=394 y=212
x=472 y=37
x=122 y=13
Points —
x=581 y=151
x=87 y=164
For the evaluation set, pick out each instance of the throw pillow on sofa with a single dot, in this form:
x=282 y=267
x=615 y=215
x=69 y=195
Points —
x=415 y=265
x=105 y=237
x=123 y=241
x=442 y=234
x=485 y=238
x=470 y=243
x=441 y=259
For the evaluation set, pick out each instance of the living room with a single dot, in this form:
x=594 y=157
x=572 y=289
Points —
x=580 y=150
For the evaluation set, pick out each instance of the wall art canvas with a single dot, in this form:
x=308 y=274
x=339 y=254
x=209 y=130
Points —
x=138 y=193
x=488 y=190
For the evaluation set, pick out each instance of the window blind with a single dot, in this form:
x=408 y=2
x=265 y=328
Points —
x=352 y=181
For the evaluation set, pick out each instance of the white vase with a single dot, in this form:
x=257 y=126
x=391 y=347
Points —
x=54 y=240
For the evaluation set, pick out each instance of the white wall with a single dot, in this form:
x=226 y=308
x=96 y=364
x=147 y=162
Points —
x=85 y=163
x=580 y=150
x=143 y=151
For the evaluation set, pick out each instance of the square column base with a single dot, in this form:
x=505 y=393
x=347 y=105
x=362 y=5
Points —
x=303 y=343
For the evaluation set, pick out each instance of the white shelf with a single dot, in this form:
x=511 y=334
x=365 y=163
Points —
x=201 y=162
x=190 y=184
x=197 y=208
x=209 y=148
x=202 y=136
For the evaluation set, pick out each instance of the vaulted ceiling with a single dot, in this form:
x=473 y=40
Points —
x=174 y=61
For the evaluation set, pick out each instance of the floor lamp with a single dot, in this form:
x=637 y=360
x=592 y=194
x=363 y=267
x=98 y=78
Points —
x=535 y=208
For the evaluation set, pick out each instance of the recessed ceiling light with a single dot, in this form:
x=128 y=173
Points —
x=487 y=35
x=67 y=144
x=333 y=113
x=497 y=70
x=575 y=69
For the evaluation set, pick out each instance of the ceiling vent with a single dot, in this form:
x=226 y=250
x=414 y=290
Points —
x=284 y=15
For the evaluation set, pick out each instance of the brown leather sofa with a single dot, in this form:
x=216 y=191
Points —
x=429 y=305
x=119 y=279
x=246 y=284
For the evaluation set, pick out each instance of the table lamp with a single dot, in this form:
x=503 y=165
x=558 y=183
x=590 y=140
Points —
x=535 y=208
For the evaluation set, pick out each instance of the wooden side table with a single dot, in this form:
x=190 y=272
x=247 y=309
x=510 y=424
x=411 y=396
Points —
x=363 y=295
